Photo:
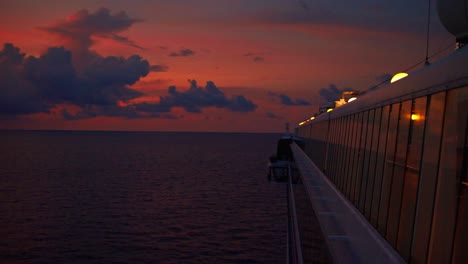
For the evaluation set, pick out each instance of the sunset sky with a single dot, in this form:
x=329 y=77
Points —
x=205 y=65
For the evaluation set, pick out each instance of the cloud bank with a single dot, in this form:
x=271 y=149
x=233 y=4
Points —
x=73 y=75
x=31 y=85
x=287 y=101
x=182 y=53
x=79 y=28
x=36 y=84
x=196 y=98
x=255 y=57
x=332 y=93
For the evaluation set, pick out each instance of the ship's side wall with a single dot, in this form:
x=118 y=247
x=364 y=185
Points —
x=401 y=160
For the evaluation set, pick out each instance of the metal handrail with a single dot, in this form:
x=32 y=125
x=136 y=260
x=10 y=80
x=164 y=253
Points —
x=297 y=239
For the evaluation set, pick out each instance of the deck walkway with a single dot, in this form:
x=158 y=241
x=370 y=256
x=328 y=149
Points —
x=350 y=238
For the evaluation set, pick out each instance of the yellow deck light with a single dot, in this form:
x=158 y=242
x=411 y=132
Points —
x=398 y=76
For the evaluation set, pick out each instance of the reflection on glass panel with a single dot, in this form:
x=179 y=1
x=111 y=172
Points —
x=388 y=168
x=349 y=136
x=411 y=179
x=448 y=181
x=398 y=172
x=330 y=148
x=352 y=160
x=365 y=164
x=336 y=141
x=357 y=155
x=339 y=172
x=460 y=254
x=373 y=158
x=336 y=159
x=344 y=152
x=352 y=165
x=428 y=177
x=362 y=143
x=379 y=165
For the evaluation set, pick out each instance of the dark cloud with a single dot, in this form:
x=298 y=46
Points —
x=159 y=68
x=17 y=94
x=125 y=40
x=286 y=100
x=95 y=85
x=80 y=27
x=332 y=93
x=182 y=53
x=272 y=115
x=258 y=59
x=114 y=70
x=196 y=98
x=36 y=84
x=255 y=57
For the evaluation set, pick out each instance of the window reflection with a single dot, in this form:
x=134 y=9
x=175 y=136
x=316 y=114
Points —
x=411 y=178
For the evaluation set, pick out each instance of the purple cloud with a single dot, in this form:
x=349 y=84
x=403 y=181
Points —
x=196 y=98
x=332 y=93
x=36 y=84
x=159 y=68
x=287 y=101
x=255 y=57
x=79 y=27
x=182 y=53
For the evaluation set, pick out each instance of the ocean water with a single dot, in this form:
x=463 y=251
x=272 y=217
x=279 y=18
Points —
x=129 y=197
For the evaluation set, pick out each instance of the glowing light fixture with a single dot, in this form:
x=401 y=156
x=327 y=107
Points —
x=398 y=77
x=351 y=99
x=415 y=117
x=301 y=123
x=312 y=118
x=329 y=110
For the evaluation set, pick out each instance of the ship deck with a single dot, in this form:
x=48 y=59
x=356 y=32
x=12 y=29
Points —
x=348 y=235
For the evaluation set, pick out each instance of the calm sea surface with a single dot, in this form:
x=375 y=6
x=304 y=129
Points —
x=100 y=197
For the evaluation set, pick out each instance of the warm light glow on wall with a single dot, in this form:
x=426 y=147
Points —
x=352 y=99
x=415 y=117
x=398 y=76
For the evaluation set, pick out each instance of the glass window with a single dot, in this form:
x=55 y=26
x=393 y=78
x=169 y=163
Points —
x=336 y=150
x=411 y=178
x=354 y=158
x=460 y=254
x=428 y=176
x=339 y=148
x=344 y=172
x=361 y=161
x=357 y=153
x=380 y=164
x=388 y=168
x=344 y=148
x=334 y=153
x=365 y=172
x=398 y=172
x=373 y=158
x=449 y=178
x=329 y=157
